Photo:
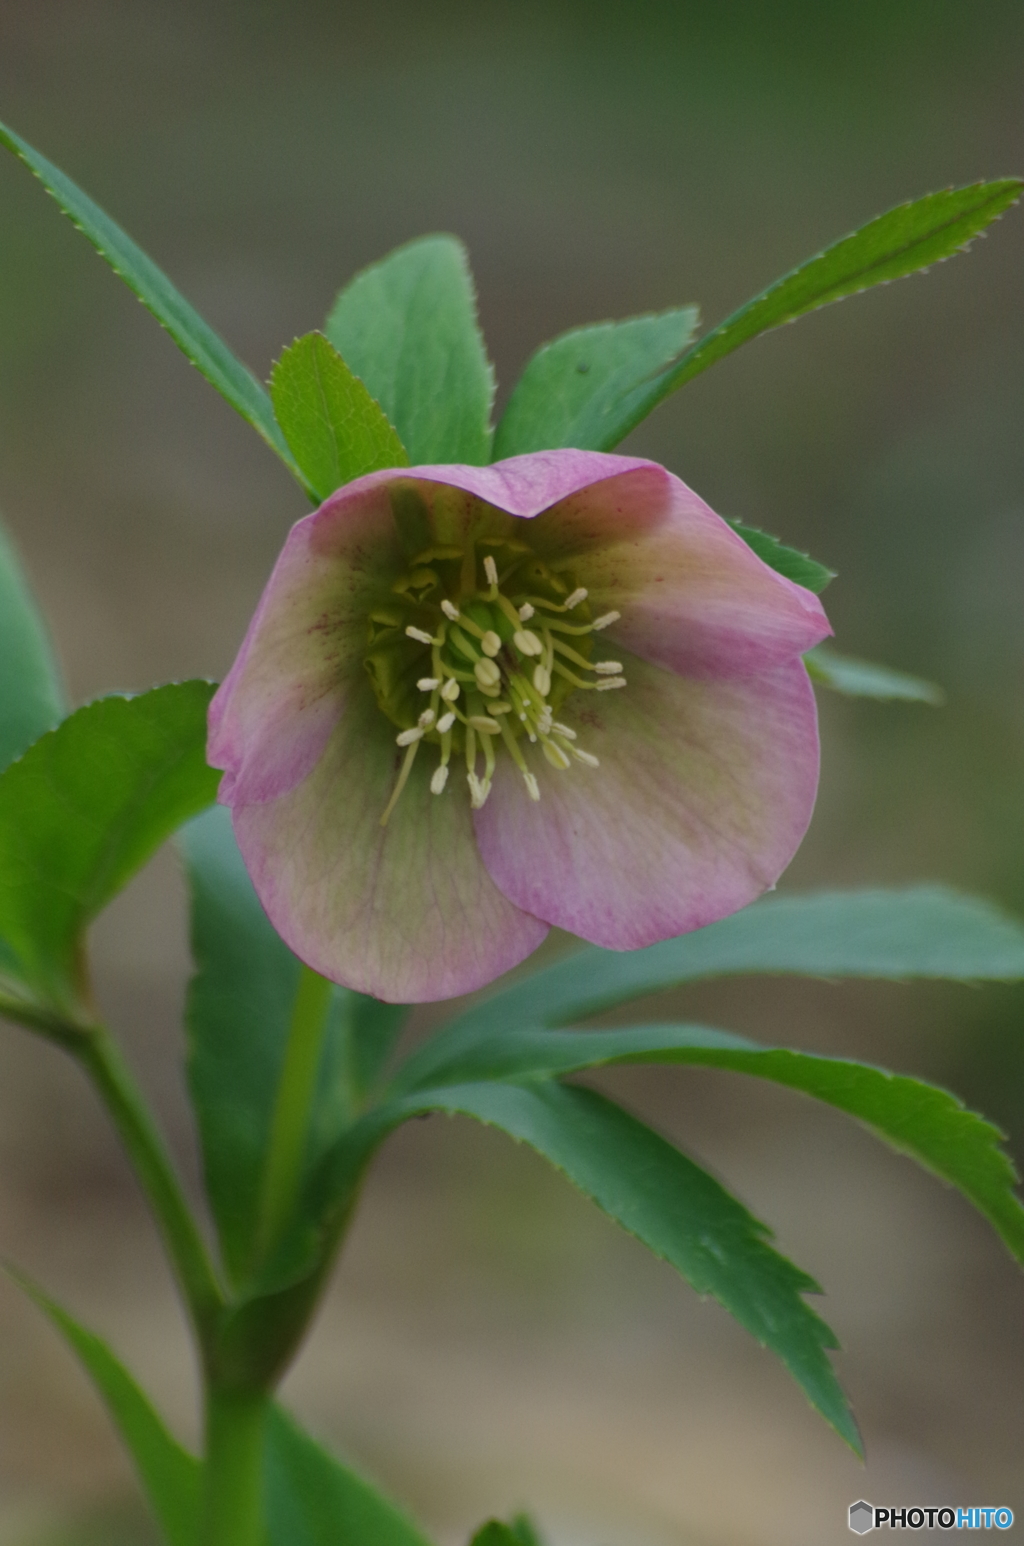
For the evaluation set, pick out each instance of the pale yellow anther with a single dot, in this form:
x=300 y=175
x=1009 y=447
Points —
x=507 y=686
x=478 y=791
x=555 y=755
x=487 y=674
x=527 y=642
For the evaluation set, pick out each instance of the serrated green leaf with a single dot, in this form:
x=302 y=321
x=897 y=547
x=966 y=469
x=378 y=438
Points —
x=194 y=337
x=796 y=566
x=579 y=389
x=912 y=1116
x=312 y=1499
x=676 y=1209
x=906 y=239
x=240 y=1017
x=334 y=428
x=170 y=1476
x=407 y=327
x=924 y=931
x=864 y=679
x=82 y=810
x=31 y=696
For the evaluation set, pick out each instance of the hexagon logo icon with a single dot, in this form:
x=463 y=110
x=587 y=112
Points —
x=862 y=1517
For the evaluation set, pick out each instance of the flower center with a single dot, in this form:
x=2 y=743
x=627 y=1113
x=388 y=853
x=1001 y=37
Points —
x=475 y=651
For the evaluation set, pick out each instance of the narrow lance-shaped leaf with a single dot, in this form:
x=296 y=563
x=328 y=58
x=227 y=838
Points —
x=312 y=1499
x=31 y=696
x=407 y=327
x=906 y=239
x=920 y=932
x=573 y=390
x=924 y=931
x=864 y=679
x=669 y=1203
x=916 y=1118
x=83 y=809
x=241 y=1015
x=334 y=428
x=170 y=1476
x=194 y=337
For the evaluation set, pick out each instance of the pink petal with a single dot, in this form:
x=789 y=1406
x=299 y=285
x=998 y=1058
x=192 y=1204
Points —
x=407 y=913
x=526 y=485
x=704 y=791
x=274 y=713
x=275 y=710
x=692 y=594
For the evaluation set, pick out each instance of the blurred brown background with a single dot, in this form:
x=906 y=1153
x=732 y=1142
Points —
x=490 y=1340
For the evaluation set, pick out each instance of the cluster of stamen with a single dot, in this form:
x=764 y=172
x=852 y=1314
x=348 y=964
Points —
x=496 y=663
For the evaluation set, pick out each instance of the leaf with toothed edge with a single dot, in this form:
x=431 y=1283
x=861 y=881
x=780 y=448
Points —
x=334 y=428
x=915 y=1118
x=656 y=1193
x=407 y=327
x=194 y=337
x=576 y=390
x=920 y=931
x=81 y=812
x=903 y=241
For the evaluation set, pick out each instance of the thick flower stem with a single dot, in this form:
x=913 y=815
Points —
x=99 y=1056
x=233 y=1512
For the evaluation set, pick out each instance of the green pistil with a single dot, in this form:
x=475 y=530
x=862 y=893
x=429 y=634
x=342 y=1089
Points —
x=471 y=656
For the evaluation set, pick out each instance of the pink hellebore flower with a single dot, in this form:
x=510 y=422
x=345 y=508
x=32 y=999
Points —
x=475 y=702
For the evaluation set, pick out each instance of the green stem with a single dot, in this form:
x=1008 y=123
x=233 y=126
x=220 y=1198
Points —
x=233 y=1473
x=290 y=1124
x=98 y=1054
